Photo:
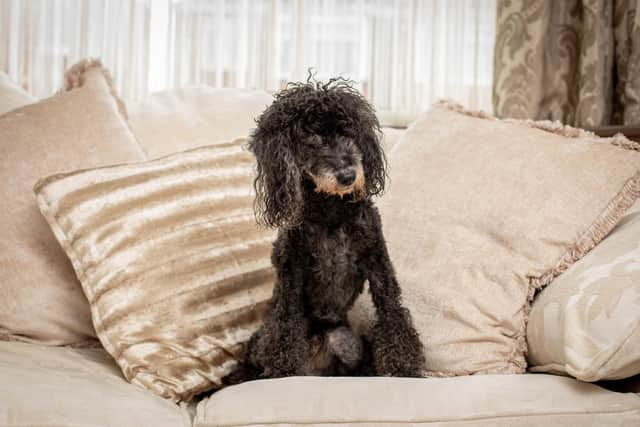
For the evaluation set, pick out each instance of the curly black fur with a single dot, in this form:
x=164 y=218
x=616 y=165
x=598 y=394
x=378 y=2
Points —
x=319 y=162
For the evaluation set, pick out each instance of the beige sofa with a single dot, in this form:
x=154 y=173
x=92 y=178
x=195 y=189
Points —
x=72 y=387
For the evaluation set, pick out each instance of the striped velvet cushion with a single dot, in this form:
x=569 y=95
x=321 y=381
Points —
x=174 y=267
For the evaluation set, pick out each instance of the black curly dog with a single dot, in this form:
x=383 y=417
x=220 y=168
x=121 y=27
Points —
x=319 y=162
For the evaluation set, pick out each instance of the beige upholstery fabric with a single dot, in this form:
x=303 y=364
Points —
x=481 y=212
x=176 y=270
x=12 y=96
x=65 y=387
x=41 y=298
x=587 y=323
x=180 y=119
x=488 y=400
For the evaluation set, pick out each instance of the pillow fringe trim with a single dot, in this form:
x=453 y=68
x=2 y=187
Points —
x=75 y=77
x=555 y=127
x=598 y=230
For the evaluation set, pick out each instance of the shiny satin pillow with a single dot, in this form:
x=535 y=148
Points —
x=176 y=271
x=587 y=322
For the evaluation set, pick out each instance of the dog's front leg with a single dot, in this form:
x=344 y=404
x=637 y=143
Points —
x=280 y=348
x=397 y=350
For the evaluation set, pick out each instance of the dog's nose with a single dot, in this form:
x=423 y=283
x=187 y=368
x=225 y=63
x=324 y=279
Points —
x=346 y=176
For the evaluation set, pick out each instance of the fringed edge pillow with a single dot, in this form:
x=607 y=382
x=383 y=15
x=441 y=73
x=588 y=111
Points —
x=481 y=213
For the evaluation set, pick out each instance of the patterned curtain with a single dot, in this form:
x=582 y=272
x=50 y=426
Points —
x=577 y=61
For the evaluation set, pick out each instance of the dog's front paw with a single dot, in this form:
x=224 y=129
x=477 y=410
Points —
x=280 y=349
x=397 y=350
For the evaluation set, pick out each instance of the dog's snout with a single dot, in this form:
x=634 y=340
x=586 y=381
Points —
x=346 y=176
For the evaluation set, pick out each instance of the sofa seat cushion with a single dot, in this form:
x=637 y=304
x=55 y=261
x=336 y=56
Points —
x=62 y=386
x=497 y=400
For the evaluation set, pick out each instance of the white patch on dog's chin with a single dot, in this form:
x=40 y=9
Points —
x=327 y=183
x=341 y=191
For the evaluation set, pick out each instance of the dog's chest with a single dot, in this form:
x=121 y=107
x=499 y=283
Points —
x=333 y=279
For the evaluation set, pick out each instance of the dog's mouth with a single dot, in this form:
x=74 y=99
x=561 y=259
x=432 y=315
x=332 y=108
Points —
x=327 y=182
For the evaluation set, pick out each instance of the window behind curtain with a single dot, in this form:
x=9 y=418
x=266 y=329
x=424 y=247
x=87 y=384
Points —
x=402 y=54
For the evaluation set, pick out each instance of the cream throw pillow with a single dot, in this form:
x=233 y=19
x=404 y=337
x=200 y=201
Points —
x=176 y=270
x=587 y=323
x=42 y=300
x=482 y=212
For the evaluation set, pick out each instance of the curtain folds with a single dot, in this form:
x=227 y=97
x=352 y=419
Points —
x=577 y=61
x=39 y=39
x=403 y=54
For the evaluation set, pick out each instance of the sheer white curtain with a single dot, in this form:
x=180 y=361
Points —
x=402 y=54
x=39 y=39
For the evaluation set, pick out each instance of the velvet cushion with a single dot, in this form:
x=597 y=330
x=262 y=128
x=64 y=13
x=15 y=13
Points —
x=175 y=268
x=482 y=212
x=587 y=322
x=42 y=300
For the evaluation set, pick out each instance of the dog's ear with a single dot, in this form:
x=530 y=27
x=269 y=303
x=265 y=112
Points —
x=374 y=161
x=278 y=201
x=359 y=121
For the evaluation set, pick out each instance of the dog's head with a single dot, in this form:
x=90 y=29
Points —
x=327 y=134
